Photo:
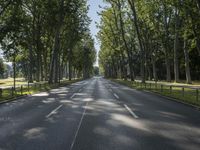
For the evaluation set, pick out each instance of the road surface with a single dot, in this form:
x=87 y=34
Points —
x=97 y=114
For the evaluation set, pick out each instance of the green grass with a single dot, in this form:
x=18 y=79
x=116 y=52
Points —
x=181 y=83
x=35 y=88
x=187 y=95
x=9 y=82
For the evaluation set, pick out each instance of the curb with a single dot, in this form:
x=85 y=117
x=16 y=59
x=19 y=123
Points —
x=173 y=99
x=13 y=99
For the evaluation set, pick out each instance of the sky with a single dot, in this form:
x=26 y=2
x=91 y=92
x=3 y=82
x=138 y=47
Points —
x=94 y=9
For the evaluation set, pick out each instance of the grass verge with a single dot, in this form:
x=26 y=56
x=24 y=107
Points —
x=9 y=81
x=182 y=94
x=9 y=93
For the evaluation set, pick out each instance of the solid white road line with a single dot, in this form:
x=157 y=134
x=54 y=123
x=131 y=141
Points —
x=54 y=111
x=131 y=112
x=79 y=126
x=73 y=96
x=116 y=96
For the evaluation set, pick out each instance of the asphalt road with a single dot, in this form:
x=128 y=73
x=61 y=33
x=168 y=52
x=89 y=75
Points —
x=97 y=114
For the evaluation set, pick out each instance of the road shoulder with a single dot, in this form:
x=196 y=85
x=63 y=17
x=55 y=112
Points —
x=160 y=95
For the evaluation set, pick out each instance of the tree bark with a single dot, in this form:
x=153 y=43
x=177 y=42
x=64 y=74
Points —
x=198 y=4
x=54 y=73
x=14 y=70
x=187 y=63
x=154 y=71
x=125 y=42
x=166 y=42
x=168 y=69
x=30 y=74
x=132 y=5
x=176 y=46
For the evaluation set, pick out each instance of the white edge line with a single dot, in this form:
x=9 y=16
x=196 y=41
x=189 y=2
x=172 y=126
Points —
x=54 y=111
x=73 y=96
x=131 y=112
x=116 y=96
x=79 y=126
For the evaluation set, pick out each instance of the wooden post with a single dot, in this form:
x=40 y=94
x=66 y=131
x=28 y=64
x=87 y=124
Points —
x=21 y=89
x=28 y=86
x=170 y=89
x=1 y=93
x=12 y=91
x=183 y=91
x=14 y=71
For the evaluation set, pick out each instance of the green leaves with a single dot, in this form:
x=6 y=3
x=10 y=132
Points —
x=42 y=32
x=153 y=31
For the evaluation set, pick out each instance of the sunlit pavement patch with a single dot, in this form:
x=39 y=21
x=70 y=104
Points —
x=41 y=94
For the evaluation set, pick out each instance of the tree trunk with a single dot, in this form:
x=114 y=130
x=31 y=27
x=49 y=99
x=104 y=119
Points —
x=124 y=73
x=51 y=73
x=132 y=5
x=168 y=69
x=187 y=63
x=30 y=74
x=38 y=48
x=66 y=71
x=166 y=41
x=154 y=70
x=125 y=42
x=45 y=56
x=198 y=4
x=176 y=46
x=54 y=74
x=62 y=68
x=121 y=68
x=70 y=64
x=14 y=71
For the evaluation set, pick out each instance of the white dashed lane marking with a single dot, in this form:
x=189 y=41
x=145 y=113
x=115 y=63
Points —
x=116 y=96
x=73 y=96
x=79 y=126
x=54 y=111
x=131 y=112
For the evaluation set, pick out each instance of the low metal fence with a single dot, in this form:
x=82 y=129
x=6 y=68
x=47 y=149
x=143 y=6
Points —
x=20 y=90
x=185 y=93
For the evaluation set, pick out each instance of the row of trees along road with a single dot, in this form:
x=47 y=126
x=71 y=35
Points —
x=153 y=39
x=47 y=39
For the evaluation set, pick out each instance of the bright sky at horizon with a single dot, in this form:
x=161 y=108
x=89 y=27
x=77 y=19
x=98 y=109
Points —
x=93 y=14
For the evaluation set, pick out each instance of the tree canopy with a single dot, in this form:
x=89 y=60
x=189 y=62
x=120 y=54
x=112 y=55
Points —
x=47 y=39
x=150 y=39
